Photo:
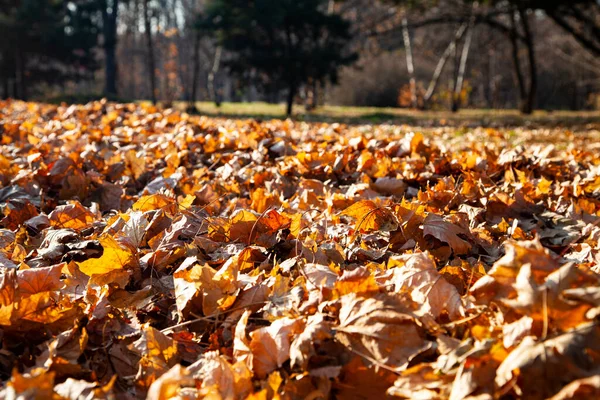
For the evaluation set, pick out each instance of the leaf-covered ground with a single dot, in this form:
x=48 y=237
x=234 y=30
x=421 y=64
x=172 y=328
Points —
x=144 y=252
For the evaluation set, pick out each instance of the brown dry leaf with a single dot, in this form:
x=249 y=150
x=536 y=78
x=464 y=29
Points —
x=572 y=355
x=421 y=382
x=213 y=290
x=62 y=353
x=43 y=308
x=370 y=217
x=17 y=212
x=242 y=227
x=36 y=280
x=136 y=164
x=71 y=216
x=580 y=389
x=241 y=344
x=270 y=346
x=417 y=275
x=390 y=186
x=220 y=379
x=518 y=330
x=377 y=329
x=158 y=354
x=169 y=384
x=302 y=348
x=74 y=389
x=446 y=232
x=358 y=281
x=502 y=276
x=274 y=221
x=8 y=287
x=359 y=380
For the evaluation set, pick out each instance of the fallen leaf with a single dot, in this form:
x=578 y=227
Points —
x=375 y=329
x=114 y=257
x=370 y=217
x=446 y=232
x=71 y=216
x=270 y=346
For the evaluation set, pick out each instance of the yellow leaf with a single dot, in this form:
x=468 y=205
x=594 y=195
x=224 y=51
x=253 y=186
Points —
x=544 y=186
x=136 y=164
x=369 y=217
x=187 y=202
x=114 y=257
x=152 y=202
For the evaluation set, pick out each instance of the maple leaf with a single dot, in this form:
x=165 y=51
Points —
x=378 y=331
x=446 y=232
x=158 y=354
x=219 y=377
x=154 y=202
x=169 y=384
x=114 y=257
x=80 y=389
x=270 y=346
x=73 y=216
x=370 y=217
x=31 y=281
x=417 y=274
x=562 y=358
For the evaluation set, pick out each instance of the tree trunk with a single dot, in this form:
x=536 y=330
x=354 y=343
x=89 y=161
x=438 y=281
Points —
x=311 y=91
x=5 y=85
x=216 y=97
x=441 y=64
x=18 y=92
x=529 y=105
x=195 y=70
x=290 y=99
x=409 y=62
x=456 y=100
x=109 y=25
x=517 y=62
x=151 y=67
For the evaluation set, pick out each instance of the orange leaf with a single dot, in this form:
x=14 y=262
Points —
x=155 y=202
x=73 y=215
x=114 y=257
x=369 y=217
x=36 y=280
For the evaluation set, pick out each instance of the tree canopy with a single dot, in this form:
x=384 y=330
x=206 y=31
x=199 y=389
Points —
x=281 y=44
x=44 y=40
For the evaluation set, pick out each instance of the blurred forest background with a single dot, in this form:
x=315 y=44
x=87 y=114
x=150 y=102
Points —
x=445 y=54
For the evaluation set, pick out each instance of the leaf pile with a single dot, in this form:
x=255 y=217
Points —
x=149 y=253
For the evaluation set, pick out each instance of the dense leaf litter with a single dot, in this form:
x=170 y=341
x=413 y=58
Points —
x=148 y=253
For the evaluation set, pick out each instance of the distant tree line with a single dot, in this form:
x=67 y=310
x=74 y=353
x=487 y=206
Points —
x=413 y=53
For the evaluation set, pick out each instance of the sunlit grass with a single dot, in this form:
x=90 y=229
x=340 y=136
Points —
x=348 y=114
